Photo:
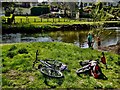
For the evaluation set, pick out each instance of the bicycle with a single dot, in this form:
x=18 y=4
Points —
x=49 y=67
x=87 y=66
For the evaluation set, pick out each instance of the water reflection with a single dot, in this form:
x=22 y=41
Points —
x=79 y=38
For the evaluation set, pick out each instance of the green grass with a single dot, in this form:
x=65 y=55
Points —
x=17 y=60
x=36 y=21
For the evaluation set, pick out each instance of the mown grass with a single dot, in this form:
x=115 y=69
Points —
x=35 y=20
x=17 y=71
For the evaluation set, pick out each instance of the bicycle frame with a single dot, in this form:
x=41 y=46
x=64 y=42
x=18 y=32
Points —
x=46 y=64
x=48 y=68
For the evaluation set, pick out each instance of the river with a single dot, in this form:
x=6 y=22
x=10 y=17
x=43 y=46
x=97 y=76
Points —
x=109 y=36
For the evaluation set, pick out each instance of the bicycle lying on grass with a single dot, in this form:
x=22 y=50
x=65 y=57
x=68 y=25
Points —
x=49 y=67
x=90 y=67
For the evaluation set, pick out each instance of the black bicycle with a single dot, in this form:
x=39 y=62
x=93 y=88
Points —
x=48 y=67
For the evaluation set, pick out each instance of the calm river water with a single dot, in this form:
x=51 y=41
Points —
x=109 y=36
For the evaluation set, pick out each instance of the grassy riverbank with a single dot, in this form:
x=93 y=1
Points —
x=17 y=71
x=37 y=28
x=34 y=24
x=43 y=21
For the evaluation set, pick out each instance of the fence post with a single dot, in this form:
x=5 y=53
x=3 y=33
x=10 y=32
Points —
x=41 y=19
x=53 y=19
x=47 y=19
x=34 y=20
x=58 y=19
x=28 y=20
x=21 y=20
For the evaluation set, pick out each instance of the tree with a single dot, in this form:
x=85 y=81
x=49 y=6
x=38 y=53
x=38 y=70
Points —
x=81 y=9
x=119 y=4
x=98 y=12
x=8 y=7
x=9 y=11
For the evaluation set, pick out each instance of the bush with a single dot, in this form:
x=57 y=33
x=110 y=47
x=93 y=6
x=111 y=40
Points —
x=11 y=54
x=36 y=11
x=23 y=50
x=13 y=47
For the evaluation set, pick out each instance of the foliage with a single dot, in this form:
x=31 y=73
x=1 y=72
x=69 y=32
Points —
x=13 y=48
x=8 y=7
x=98 y=12
x=8 y=19
x=36 y=11
x=18 y=71
x=22 y=51
x=11 y=54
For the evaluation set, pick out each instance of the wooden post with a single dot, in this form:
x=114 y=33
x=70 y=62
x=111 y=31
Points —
x=41 y=19
x=53 y=19
x=21 y=20
x=47 y=19
x=34 y=20
x=28 y=20
x=58 y=19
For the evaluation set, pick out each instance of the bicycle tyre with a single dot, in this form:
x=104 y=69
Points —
x=51 y=72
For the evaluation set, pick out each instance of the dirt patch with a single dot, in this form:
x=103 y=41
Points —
x=112 y=48
x=12 y=74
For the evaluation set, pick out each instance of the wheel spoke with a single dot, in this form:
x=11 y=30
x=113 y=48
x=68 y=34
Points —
x=51 y=72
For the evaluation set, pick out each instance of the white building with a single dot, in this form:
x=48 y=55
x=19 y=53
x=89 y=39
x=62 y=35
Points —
x=105 y=2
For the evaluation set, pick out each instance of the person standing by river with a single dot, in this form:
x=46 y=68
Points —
x=89 y=40
x=98 y=42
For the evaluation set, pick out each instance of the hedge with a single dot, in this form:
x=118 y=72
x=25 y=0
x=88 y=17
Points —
x=36 y=11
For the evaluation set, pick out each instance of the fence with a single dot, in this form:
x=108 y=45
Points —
x=51 y=20
x=45 y=20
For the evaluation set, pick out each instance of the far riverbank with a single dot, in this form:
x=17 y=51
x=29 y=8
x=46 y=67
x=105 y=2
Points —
x=37 y=27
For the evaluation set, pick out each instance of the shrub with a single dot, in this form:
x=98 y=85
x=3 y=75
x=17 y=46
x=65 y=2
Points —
x=11 y=54
x=40 y=10
x=13 y=48
x=23 y=50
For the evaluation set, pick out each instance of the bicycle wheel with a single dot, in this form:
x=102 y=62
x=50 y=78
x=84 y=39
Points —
x=81 y=70
x=51 y=72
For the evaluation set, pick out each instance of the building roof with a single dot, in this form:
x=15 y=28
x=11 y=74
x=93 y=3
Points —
x=107 y=0
x=19 y=0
